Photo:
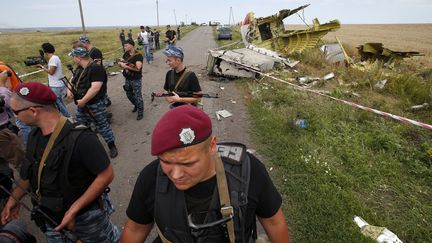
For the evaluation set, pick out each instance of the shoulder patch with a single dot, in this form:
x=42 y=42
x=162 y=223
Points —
x=232 y=151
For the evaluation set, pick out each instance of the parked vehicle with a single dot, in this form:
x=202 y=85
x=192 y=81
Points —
x=225 y=33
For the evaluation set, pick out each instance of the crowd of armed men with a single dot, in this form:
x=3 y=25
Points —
x=197 y=189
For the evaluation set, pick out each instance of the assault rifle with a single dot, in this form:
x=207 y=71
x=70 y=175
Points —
x=37 y=214
x=185 y=94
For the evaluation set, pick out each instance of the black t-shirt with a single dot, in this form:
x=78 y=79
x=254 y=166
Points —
x=122 y=37
x=170 y=34
x=88 y=160
x=82 y=81
x=263 y=198
x=129 y=74
x=189 y=84
x=96 y=54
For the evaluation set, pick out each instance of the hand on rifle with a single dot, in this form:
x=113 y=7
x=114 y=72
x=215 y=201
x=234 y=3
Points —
x=174 y=98
x=81 y=103
x=70 y=94
x=10 y=211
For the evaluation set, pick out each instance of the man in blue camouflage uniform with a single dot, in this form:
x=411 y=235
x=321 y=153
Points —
x=90 y=85
x=71 y=184
x=132 y=67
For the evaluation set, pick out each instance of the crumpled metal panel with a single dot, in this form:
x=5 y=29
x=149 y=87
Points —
x=269 y=32
x=377 y=51
x=240 y=62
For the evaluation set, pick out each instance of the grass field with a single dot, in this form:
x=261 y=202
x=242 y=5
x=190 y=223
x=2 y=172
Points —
x=350 y=162
x=17 y=46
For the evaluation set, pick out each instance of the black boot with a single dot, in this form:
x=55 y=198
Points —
x=135 y=109
x=112 y=150
x=140 y=116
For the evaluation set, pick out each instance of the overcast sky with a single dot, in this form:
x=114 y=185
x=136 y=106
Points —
x=65 y=13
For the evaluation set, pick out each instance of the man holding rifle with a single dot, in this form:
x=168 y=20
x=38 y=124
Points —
x=132 y=63
x=90 y=86
x=179 y=79
x=66 y=169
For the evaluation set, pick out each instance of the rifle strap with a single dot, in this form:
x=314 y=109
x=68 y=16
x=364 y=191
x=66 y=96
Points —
x=53 y=137
x=225 y=202
x=161 y=236
x=180 y=81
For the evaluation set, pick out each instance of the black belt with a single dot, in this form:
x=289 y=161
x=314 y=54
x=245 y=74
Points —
x=3 y=126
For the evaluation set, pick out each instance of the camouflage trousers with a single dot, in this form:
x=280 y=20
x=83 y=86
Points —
x=98 y=111
x=134 y=94
x=93 y=226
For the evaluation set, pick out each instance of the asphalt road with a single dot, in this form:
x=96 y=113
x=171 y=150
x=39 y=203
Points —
x=133 y=137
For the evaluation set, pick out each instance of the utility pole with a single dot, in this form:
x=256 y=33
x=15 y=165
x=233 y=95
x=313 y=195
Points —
x=186 y=19
x=157 y=12
x=231 y=16
x=175 y=16
x=82 y=18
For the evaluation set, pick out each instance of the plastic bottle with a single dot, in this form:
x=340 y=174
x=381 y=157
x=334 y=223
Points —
x=380 y=234
x=300 y=122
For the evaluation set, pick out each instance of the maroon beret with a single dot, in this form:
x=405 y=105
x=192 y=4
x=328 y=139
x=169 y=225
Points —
x=36 y=93
x=183 y=126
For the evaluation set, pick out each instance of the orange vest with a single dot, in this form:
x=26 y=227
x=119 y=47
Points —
x=14 y=79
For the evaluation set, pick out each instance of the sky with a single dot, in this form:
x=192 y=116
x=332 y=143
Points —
x=65 y=13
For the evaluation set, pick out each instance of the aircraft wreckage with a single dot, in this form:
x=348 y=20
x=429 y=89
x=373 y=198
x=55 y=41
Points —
x=267 y=43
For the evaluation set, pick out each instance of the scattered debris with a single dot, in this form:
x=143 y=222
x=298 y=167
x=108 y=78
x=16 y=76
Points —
x=233 y=102
x=293 y=64
x=270 y=33
x=380 y=84
x=418 y=107
x=329 y=76
x=377 y=51
x=222 y=88
x=223 y=114
x=379 y=234
x=113 y=73
x=334 y=53
x=303 y=80
x=251 y=151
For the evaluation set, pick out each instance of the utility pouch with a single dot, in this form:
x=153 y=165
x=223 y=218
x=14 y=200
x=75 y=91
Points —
x=54 y=205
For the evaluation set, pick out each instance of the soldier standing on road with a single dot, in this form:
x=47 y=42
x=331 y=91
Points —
x=179 y=79
x=198 y=191
x=178 y=32
x=132 y=71
x=97 y=57
x=156 y=38
x=170 y=36
x=90 y=85
x=74 y=175
x=122 y=38
x=130 y=35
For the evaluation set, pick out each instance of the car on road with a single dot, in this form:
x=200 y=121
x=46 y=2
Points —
x=203 y=24
x=225 y=33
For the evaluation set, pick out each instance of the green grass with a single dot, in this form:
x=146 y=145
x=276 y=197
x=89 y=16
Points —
x=347 y=161
x=17 y=46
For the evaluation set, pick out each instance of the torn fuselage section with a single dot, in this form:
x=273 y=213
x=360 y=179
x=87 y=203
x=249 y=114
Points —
x=270 y=33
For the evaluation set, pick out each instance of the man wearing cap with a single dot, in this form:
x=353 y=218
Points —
x=197 y=191
x=179 y=79
x=55 y=75
x=170 y=36
x=66 y=168
x=90 y=86
x=132 y=71
x=97 y=57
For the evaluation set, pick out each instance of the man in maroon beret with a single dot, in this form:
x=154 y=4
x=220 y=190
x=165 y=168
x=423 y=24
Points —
x=66 y=168
x=200 y=191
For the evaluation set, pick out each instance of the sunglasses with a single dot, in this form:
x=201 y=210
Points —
x=16 y=112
